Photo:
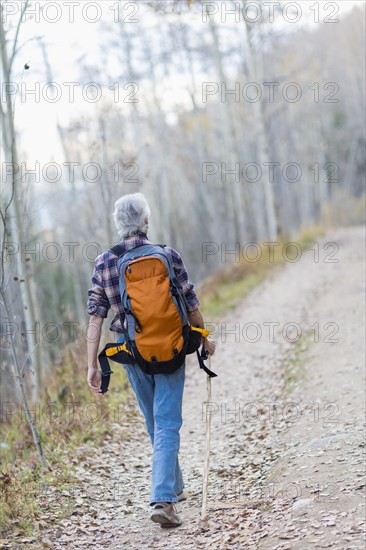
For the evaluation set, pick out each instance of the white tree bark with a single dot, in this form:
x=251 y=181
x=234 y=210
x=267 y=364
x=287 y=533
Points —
x=15 y=197
x=261 y=134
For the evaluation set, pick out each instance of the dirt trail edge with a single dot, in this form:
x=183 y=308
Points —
x=287 y=414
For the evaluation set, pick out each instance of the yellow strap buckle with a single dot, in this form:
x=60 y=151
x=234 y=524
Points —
x=203 y=331
x=113 y=351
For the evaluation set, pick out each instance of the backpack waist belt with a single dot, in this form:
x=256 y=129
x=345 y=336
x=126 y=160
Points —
x=120 y=354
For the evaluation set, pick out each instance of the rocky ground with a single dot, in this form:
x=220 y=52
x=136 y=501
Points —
x=287 y=467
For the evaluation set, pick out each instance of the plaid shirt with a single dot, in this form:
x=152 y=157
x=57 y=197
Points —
x=105 y=294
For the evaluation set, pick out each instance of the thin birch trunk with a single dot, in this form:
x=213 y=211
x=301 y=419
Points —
x=261 y=135
x=17 y=231
x=18 y=376
x=230 y=142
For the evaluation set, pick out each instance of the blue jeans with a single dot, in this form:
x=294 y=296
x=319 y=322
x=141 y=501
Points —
x=160 y=400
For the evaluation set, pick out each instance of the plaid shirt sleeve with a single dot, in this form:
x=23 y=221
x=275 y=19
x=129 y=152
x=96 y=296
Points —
x=98 y=303
x=182 y=277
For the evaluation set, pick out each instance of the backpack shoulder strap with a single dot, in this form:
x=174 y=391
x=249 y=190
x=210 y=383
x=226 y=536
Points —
x=117 y=250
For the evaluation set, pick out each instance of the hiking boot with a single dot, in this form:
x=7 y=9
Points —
x=182 y=496
x=165 y=514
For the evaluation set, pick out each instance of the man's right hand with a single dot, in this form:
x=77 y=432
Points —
x=210 y=345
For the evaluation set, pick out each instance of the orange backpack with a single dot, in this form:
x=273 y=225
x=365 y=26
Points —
x=156 y=330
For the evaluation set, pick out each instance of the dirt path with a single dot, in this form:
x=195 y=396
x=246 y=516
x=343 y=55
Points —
x=286 y=463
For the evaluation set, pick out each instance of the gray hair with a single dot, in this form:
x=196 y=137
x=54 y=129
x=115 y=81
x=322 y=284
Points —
x=130 y=214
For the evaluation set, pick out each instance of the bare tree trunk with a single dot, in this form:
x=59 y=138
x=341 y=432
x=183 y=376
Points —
x=75 y=267
x=17 y=230
x=18 y=376
x=230 y=141
x=205 y=203
x=261 y=134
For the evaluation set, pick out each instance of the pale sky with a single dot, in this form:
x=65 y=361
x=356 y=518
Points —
x=67 y=42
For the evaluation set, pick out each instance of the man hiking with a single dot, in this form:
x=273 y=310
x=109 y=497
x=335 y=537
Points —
x=159 y=395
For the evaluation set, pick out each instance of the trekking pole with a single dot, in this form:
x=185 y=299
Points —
x=207 y=449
